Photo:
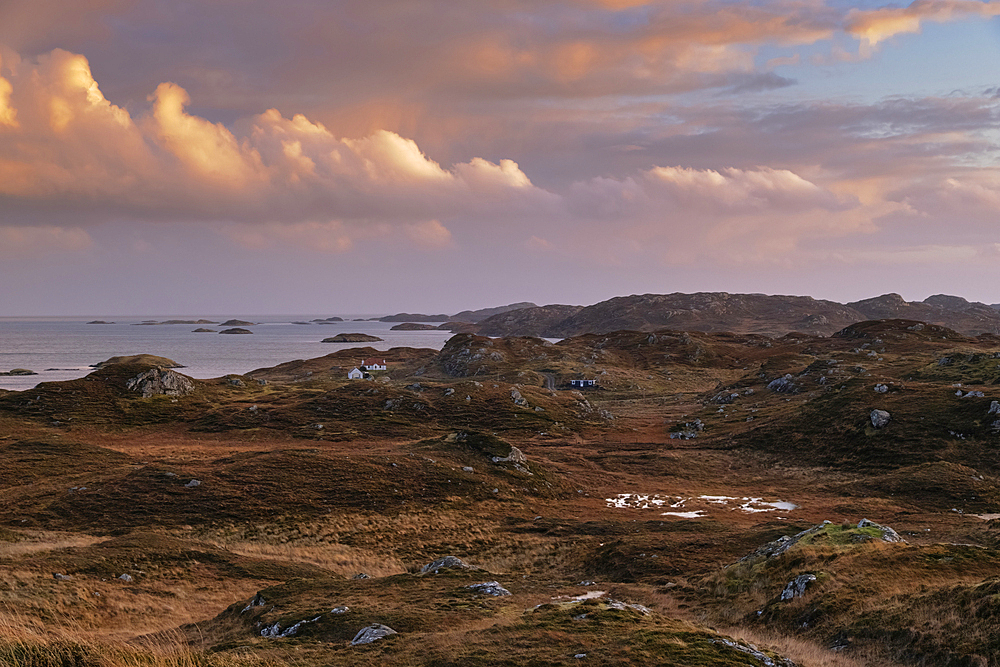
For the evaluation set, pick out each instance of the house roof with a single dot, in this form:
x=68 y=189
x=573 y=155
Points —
x=372 y=362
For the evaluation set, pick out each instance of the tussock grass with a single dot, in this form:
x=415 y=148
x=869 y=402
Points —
x=24 y=647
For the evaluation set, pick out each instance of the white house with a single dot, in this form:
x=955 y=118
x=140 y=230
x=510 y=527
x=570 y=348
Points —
x=583 y=383
x=355 y=374
x=373 y=365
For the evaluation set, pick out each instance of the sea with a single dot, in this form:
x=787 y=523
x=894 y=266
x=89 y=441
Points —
x=66 y=348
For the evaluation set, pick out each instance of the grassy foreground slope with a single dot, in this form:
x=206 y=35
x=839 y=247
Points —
x=200 y=525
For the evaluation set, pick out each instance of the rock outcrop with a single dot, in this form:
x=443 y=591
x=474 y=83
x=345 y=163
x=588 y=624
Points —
x=446 y=563
x=796 y=588
x=160 y=382
x=372 y=633
x=492 y=588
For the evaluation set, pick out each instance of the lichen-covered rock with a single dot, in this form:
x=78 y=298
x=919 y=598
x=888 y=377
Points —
x=888 y=534
x=880 y=418
x=372 y=633
x=796 y=588
x=160 y=382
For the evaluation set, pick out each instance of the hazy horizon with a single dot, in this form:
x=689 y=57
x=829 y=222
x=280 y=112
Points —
x=348 y=317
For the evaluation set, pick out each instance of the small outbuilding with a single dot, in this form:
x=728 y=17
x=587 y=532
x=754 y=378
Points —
x=355 y=374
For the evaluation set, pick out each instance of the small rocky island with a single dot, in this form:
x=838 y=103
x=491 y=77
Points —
x=148 y=323
x=141 y=359
x=233 y=323
x=413 y=326
x=352 y=338
x=18 y=371
x=236 y=330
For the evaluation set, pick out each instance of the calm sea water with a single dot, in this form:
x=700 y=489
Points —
x=65 y=348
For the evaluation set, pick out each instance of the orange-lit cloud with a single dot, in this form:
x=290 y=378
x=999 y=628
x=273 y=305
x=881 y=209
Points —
x=874 y=26
x=73 y=145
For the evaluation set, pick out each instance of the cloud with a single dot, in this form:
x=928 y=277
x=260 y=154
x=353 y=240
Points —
x=685 y=215
x=878 y=25
x=72 y=149
x=21 y=242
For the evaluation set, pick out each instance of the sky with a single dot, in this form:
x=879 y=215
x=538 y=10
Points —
x=350 y=156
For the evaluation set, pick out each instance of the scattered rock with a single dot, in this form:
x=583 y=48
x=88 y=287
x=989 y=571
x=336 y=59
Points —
x=449 y=391
x=755 y=653
x=446 y=563
x=880 y=418
x=994 y=408
x=340 y=610
x=725 y=398
x=796 y=588
x=275 y=631
x=362 y=575
x=468 y=469
x=688 y=430
x=372 y=633
x=623 y=606
x=515 y=456
x=881 y=388
x=490 y=588
x=974 y=394
x=160 y=382
x=61 y=577
x=127 y=578
x=193 y=483
x=234 y=381
x=515 y=396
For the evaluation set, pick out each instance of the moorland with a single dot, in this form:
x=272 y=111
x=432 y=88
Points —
x=715 y=499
